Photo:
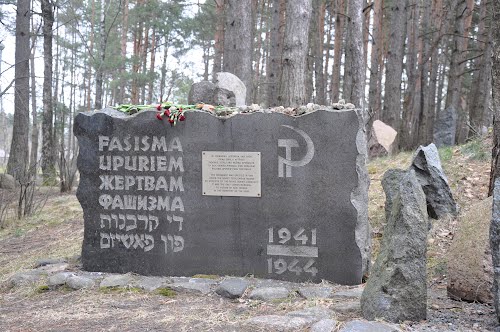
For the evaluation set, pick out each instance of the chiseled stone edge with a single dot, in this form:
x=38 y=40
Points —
x=359 y=197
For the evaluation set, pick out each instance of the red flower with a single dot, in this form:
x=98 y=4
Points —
x=158 y=107
x=171 y=120
x=182 y=117
x=158 y=116
x=167 y=113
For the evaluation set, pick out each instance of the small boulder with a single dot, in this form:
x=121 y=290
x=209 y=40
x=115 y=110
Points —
x=79 y=282
x=150 y=284
x=224 y=97
x=314 y=292
x=232 y=83
x=7 y=182
x=324 y=325
x=430 y=175
x=26 y=277
x=397 y=288
x=470 y=270
x=48 y=261
x=316 y=312
x=202 y=92
x=59 y=279
x=280 y=323
x=382 y=140
x=269 y=293
x=232 y=288
x=363 y=326
x=352 y=293
x=116 y=280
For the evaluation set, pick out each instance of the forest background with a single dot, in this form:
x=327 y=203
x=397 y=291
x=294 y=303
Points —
x=417 y=65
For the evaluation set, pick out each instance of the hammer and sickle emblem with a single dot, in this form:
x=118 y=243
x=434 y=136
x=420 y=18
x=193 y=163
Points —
x=285 y=164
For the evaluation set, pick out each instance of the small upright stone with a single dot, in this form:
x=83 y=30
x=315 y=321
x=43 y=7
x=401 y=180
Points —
x=445 y=127
x=232 y=288
x=7 y=182
x=430 y=175
x=79 y=282
x=324 y=325
x=382 y=139
x=397 y=288
x=224 y=97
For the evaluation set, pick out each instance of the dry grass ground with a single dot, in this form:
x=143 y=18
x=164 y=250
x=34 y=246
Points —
x=57 y=232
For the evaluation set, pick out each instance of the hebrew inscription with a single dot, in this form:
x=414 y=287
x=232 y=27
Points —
x=134 y=204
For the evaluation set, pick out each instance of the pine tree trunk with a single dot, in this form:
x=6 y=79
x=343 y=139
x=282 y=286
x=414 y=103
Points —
x=354 y=70
x=34 y=115
x=337 y=49
x=219 y=36
x=274 y=63
x=495 y=162
x=164 y=70
x=328 y=47
x=152 y=61
x=19 y=149
x=292 y=92
x=375 y=60
x=123 y=49
x=238 y=42
x=481 y=85
x=102 y=52
x=48 y=148
x=318 y=57
x=394 y=66
x=91 y=53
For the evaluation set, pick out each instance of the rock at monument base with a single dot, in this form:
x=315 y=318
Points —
x=470 y=270
x=397 y=287
x=7 y=182
x=146 y=211
x=224 y=97
x=232 y=83
x=232 y=288
x=324 y=325
x=445 y=127
x=362 y=326
x=382 y=140
x=495 y=246
x=280 y=323
x=427 y=167
x=312 y=292
x=269 y=293
x=80 y=282
x=117 y=280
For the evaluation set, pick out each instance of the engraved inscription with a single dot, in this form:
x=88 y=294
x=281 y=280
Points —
x=231 y=173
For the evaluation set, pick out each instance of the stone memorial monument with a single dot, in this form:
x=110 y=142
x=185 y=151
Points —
x=262 y=194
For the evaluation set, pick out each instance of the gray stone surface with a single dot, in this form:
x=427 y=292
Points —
x=202 y=92
x=397 y=287
x=224 y=97
x=116 y=280
x=79 y=282
x=7 y=182
x=25 y=277
x=48 y=261
x=232 y=288
x=53 y=268
x=316 y=312
x=151 y=283
x=353 y=293
x=232 y=83
x=59 y=279
x=363 y=326
x=280 y=323
x=495 y=246
x=445 y=127
x=324 y=325
x=390 y=182
x=430 y=174
x=193 y=287
x=469 y=267
x=345 y=307
x=269 y=293
x=321 y=205
x=315 y=292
